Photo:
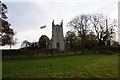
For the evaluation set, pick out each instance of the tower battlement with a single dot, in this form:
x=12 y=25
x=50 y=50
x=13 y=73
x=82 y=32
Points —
x=60 y=25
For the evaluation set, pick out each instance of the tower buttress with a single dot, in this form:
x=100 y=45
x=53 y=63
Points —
x=61 y=24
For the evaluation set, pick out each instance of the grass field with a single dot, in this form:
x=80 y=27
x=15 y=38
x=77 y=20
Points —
x=82 y=66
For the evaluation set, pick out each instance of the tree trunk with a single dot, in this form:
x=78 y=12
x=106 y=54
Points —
x=10 y=46
x=82 y=45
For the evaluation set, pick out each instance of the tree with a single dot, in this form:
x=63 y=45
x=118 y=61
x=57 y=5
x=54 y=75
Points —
x=43 y=42
x=25 y=44
x=30 y=45
x=34 y=45
x=72 y=41
x=115 y=43
x=101 y=27
x=104 y=28
x=90 y=40
x=80 y=24
x=6 y=33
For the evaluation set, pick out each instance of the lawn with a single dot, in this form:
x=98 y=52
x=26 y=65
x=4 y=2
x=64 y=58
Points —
x=82 y=66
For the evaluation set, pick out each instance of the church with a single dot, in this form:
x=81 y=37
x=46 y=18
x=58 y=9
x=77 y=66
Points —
x=57 y=41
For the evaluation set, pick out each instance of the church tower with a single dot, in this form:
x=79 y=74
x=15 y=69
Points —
x=57 y=37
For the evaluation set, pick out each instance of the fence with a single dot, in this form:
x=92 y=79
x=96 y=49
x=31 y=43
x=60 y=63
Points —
x=37 y=53
x=27 y=54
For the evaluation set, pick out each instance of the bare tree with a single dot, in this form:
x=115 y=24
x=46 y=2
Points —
x=80 y=24
x=104 y=28
x=101 y=26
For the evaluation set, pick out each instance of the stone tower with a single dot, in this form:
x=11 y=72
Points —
x=57 y=37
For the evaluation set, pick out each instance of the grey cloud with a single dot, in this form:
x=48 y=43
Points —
x=27 y=17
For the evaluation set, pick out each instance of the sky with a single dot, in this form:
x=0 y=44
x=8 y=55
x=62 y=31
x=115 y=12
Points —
x=119 y=22
x=26 y=16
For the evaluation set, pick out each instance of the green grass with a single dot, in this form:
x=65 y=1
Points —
x=82 y=66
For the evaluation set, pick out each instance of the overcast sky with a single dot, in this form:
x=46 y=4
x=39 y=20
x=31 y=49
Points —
x=26 y=16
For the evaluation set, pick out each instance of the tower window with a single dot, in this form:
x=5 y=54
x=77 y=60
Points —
x=58 y=45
